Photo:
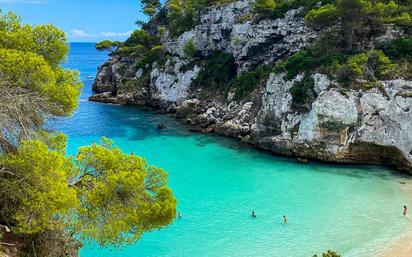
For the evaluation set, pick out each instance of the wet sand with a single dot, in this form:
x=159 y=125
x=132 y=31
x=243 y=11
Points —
x=402 y=246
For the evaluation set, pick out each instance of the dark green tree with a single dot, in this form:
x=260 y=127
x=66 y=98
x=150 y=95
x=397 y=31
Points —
x=107 y=45
x=264 y=8
x=151 y=7
x=354 y=22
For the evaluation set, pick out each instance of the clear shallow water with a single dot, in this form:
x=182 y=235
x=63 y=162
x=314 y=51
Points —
x=218 y=182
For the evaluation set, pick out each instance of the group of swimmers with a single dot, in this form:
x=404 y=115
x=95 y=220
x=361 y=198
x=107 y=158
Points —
x=285 y=218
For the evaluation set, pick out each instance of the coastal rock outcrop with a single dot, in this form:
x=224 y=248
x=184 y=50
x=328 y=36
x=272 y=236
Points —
x=170 y=83
x=221 y=28
x=349 y=126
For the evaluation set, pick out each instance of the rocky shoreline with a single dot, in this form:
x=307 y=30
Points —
x=368 y=126
x=351 y=127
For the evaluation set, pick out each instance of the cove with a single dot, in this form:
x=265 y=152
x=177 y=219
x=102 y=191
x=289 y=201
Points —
x=354 y=210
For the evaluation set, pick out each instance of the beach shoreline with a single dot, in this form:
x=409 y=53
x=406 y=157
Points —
x=402 y=245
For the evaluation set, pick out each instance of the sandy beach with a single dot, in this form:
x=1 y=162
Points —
x=402 y=246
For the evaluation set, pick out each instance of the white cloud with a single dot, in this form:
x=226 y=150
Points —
x=23 y=1
x=116 y=34
x=78 y=33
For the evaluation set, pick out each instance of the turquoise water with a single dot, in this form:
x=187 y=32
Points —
x=218 y=182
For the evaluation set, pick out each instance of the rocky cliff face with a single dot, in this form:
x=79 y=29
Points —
x=351 y=126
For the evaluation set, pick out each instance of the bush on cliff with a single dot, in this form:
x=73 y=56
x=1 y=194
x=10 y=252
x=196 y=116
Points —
x=189 y=49
x=310 y=60
x=155 y=54
x=180 y=17
x=400 y=48
x=107 y=45
x=151 y=7
x=264 y=8
x=137 y=45
x=366 y=68
x=141 y=37
x=352 y=23
x=243 y=84
x=217 y=71
x=302 y=93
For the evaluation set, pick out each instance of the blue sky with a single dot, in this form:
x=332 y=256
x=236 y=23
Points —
x=82 y=20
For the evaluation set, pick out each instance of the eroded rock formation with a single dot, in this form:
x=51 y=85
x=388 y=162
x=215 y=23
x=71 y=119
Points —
x=350 y=126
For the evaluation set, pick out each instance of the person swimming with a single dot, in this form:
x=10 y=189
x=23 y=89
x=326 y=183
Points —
x=405 y=210
x=285 y=219
x=253 y=214
x=179 y=215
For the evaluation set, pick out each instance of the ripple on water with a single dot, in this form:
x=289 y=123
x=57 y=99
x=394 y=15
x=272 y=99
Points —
x=218 y=182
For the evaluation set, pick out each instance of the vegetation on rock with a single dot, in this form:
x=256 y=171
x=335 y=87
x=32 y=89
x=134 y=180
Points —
x=302 y=93
x=189 y=49
x=217 y=71
x=264 y=8
x=151 y=7
x=107 y=45
x=243 y=84
x=353 y=23
x=366 y=67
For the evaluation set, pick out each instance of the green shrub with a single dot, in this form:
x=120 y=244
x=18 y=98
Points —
x=307 y=61
x=282 y=6
x=141 y=37
x=217 y=71
x=151 y=56
x=399 y=48
x=299 y=62
x=302 y=93
x=129 y=50
x=367 y=67
x=246 y=82
x=138 y=44
x=243 y=84
x=236 y=41
x=107 y=45
x=354 y=23
x=189 y=49
x=243 y=18
x=264 y=8
x=180 y=17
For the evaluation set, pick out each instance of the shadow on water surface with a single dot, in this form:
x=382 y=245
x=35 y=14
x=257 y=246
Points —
x=139 y=123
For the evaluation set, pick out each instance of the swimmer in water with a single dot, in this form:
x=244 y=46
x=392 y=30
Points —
x=285 y=219
x=253 y=214
x=179 y=215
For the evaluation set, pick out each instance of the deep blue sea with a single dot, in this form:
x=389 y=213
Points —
x=355 y=210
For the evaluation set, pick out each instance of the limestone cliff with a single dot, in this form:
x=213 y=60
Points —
x=349 y=126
